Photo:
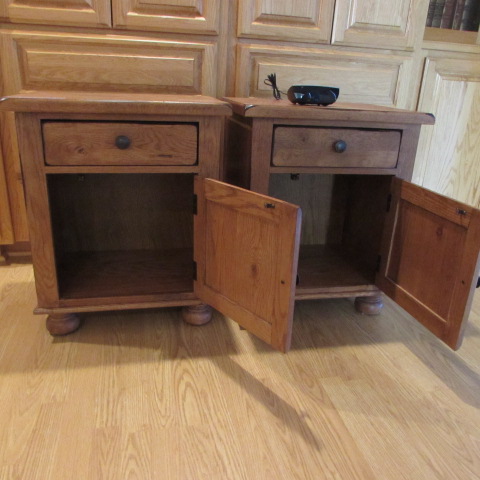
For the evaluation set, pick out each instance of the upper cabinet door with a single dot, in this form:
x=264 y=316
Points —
x=382 y=24
x=448 y=157
x=246 y=251
x=429 y=263
x=187 y=16
x=300 y=20
x=94 y=13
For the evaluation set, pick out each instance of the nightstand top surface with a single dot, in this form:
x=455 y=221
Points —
x=115 y=103
x=271 y=108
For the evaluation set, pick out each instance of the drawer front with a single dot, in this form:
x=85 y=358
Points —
x=335 y=147
x=103 y=143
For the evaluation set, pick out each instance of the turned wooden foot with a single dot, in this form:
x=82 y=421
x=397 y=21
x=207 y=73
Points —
x=62 y=324
x=369 y=305
x=197 y=314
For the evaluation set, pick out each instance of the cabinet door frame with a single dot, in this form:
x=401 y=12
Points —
x=91 y=13
x=6 y=225
x=224 y=213
x=350 y=29
x=203 y=17
x=316 y=28
x=415 y=210
x=446 y=159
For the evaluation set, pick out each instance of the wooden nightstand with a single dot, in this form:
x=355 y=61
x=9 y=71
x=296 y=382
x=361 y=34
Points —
x=109 y=188
x=365 y=228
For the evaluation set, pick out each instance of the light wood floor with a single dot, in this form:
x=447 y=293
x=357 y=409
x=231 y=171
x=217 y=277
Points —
x=140 y=395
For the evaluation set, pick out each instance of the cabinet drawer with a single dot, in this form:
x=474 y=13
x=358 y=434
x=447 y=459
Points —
x=317 y=147
x=119 y=143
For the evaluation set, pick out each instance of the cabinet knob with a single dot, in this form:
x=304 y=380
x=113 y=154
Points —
x=122 y=142
x=340 y=146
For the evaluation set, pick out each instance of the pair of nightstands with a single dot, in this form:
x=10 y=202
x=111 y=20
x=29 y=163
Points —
x=126 y=211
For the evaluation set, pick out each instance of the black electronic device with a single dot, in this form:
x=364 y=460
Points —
x=312 y=94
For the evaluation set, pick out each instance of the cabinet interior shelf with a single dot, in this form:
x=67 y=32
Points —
x=325 y=270
x=125 y=273
x=322 y=270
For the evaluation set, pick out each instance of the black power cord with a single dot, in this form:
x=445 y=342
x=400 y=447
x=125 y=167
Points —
x=271 y=81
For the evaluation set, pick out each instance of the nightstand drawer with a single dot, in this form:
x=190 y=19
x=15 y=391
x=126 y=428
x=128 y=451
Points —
x=335 y=147
x=119 y=143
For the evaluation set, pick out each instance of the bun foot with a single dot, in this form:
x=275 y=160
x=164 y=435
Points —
x=197 y=314
x=62 y=324
x=369 y=305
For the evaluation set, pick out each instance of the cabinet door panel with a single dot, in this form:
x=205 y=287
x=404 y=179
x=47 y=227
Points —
x=94 y=62
x=306 y=21
x=373 y=23
x=429 y=263
x=6 y=227
x=246 y=250
x=362 y=77
x=448 y=157
x=95 y=13
x=14 y=181
x=201 y=16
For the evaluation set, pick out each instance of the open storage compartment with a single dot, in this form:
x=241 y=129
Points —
x=122 y=234
x=342 y=223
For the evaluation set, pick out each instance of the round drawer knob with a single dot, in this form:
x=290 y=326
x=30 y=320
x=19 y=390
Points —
x=122 y=142
x=340 y=146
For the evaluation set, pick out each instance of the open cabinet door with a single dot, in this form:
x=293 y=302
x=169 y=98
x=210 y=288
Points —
x=246 y=251
x=429 y=260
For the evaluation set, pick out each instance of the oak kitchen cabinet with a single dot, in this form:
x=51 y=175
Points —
x=449 y=154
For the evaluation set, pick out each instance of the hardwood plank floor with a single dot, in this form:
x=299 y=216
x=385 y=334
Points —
x=142 y=395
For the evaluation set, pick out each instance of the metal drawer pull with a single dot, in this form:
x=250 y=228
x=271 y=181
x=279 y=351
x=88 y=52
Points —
x=340 y=146
x=122 y=142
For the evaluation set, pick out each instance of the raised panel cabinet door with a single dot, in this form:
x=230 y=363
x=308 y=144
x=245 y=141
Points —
x=79 y=62
x=13 y=210
x=430 y=258
x=246 y=251
x=379 y=23
x=93 y=13
x=184 y=16
x=300 y=20
x=6 y=227
x=373 y=77
x=448 y=156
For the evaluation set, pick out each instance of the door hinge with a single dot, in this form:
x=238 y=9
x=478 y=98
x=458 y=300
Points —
x=389 y=201
x=195 y=271
x=195 y=204
x=379 y=262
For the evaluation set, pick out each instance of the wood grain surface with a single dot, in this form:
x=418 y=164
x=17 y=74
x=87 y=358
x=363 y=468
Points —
x=142 y=395
x=315 y=147
x=306 y=21
x=430 y=258
x=246 y=248
x=448 y=154
x=351 y=112
x=113 y=103
x=95 y=143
